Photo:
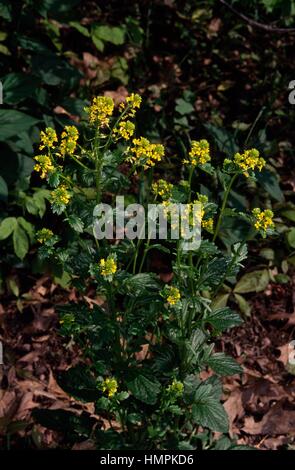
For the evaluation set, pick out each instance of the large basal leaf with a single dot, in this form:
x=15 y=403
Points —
x=19 y=86
x=13 y=122
x=223 y=364
x=209 y=412
x=144 y=388
x=223 y=318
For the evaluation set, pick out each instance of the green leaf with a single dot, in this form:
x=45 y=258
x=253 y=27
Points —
x=183 y=107
x=291 y=237
x=224 y=139
x=13 y=122
x=269 y=182
x=255 y=281
x=244 y=306
x=3 y=189
x=220 y=301
x=224 y=365
x=112 y=34
x=209 y=412
x=76 y=223
x=7 y=226
x=289 y=214
x=223 y=318
x=20 y=242
x=82 y=29
x=29 y=228
x=19 y=86
x=144 y=388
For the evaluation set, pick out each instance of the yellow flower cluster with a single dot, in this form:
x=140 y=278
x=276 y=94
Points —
x=44 y=235
x=173 y=296
x=199 y=153
x=60 y=196
x=101 y=109
x=163 y=189
x=132 y=103
x=263 y=219
x=69 y=139
x=125 y=130
x=176 y=388
x=48 y=138
x=109 y=386
x=249 y=160
x=144 y=153
x=108 y=266
x=207 y=224
x=44 y=165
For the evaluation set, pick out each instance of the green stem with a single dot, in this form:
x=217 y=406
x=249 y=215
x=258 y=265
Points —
x=224 y=202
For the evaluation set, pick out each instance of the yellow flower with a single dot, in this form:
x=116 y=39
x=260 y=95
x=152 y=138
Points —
x=125 y=130
x=69 y=139
x=44 y=165
x=207 y=224
x=263 y=219
x=109 y=386
x=249 y=160
x=108 y=267
x=48 y=138
x=101 y=109
x=173 y=295
x=60 y=196
x=162 y=188
x=199 y=153
x=144 y=153
x=176 y=388
x=133 y=103
x=44 y=235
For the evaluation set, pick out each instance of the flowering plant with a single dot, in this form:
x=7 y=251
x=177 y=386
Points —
x=150 y=336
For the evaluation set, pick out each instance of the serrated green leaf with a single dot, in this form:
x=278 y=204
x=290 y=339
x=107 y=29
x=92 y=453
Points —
x=223 y=318
x=209 y=412
x=144 y=388
x=223 y=364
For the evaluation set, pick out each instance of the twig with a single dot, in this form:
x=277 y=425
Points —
x=271 y=29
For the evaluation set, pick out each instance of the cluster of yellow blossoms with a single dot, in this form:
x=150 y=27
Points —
x=176 y=388
x=142 y=152
x=44 y=165
x=125 y=129
x=60 y=196
x=173 y=295
x=163 y=189
x=131 y=105
x=108 y=267
x=199 y=153
x=249 y=160
x=101 y=110
x=44 y=235
x=263 y=219
x=109 y=386
x=69 y=139
x=48 y=138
